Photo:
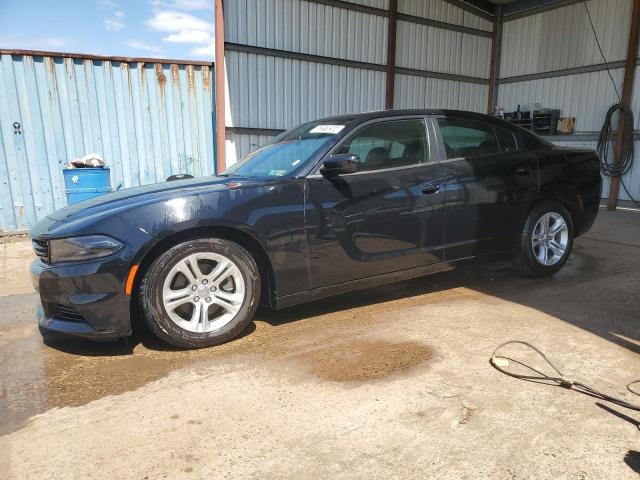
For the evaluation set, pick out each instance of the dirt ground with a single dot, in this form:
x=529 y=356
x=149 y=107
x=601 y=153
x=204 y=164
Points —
x=390 y=382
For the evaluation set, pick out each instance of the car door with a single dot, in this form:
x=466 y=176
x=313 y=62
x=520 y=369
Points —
x=490 y=183
x=388 y=215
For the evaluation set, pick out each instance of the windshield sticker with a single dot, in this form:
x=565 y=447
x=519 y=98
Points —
x=332 y=129
x=277 y=173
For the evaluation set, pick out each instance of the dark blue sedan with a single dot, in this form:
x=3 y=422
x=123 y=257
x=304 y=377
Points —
x=330 y=206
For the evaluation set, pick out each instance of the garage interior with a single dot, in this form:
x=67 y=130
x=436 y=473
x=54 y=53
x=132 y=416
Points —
x=388 y=382
x=292 y=61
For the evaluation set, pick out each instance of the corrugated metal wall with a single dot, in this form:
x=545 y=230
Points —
x=443 y=12
x=541 y=46
x=430 y=48
x=283 y=92
x=419 y=92
x=147 y=120
x=307 y=27
x=274 y=83
x=562 y=38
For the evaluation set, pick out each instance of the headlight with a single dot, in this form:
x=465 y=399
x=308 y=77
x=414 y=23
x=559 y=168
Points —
x=82 y=248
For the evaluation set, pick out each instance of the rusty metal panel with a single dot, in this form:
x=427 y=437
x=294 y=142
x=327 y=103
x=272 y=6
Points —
x=562 y=38
x=421 y=92
x=240 y=145
x=443 y=12
x=147 y=120
x=307 y=27
x=429 y=48
x=278 y=93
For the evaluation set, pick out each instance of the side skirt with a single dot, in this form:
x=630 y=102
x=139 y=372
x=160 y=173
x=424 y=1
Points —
x=330 y=290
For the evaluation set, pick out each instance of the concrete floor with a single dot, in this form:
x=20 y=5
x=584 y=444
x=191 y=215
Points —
x=391 y=382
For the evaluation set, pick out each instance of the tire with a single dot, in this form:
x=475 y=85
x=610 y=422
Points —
x=229 y=300
x=532 y=242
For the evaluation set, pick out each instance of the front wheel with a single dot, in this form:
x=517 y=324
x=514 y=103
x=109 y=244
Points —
x=200 y=293
x=545 y=241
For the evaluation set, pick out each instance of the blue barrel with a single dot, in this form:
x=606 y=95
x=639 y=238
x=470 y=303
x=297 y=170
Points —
x=85 y=183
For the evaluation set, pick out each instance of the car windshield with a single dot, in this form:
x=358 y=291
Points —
x=287 y=153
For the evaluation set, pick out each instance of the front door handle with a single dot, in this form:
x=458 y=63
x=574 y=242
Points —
x=524 y=171
x=432 y=188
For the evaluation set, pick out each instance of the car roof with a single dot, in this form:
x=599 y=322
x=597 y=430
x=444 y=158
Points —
x=366 y=116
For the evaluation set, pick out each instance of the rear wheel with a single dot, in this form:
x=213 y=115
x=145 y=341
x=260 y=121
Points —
x=545 y=241
x=200 y=293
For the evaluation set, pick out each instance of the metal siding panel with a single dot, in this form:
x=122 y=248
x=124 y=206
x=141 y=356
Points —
x=144 y=129
x=429 y=48
x=332 y=31
x=422 y=92
x=301 y=91
x=45 y=83
x=586 y=96
x=12 y=194
x=18 y=160
x=549 y=41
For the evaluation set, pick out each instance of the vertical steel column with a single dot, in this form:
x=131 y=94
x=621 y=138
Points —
x=494 y=68
x=391 y=53
x=627 y=92
x=221 y=159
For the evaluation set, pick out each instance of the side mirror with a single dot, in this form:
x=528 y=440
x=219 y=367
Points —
x=340 y=164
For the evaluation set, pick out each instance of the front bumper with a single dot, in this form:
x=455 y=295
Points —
x=84 y=299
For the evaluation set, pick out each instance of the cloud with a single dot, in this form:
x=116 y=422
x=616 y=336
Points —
x=20 y=41
x=107 y=3
x=146 y=47
x=183 y=4
x=116 y=22
x=176 y=22
x=205 y=51
x=189 y=36
x=13 y=41
x=53 y=42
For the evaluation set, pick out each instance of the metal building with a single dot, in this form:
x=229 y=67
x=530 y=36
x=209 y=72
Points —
x=288 y=61
x=147 y=118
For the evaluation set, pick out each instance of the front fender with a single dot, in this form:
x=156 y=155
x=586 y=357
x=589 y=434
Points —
x=272 y=215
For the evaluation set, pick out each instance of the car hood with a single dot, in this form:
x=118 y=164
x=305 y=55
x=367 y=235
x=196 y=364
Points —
x=116 y=202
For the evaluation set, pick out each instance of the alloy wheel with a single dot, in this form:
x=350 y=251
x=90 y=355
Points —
x=203 y=292
x=550 y=238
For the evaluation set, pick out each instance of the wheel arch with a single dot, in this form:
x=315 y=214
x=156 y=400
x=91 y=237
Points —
x=234 y=234
x=565 y=193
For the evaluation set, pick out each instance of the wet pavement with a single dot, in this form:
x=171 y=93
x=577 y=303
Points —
x=437 y=331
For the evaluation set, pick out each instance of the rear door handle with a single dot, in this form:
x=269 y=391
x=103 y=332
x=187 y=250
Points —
x=524 y=171
x=432 y=188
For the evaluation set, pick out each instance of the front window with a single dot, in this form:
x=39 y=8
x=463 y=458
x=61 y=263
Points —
x=390 y=144
x=287 y=153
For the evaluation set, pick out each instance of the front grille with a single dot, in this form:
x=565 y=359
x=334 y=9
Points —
x=66 y=312
x=41 y=247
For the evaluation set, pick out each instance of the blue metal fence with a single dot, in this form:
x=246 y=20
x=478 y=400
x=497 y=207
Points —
x=147 y=118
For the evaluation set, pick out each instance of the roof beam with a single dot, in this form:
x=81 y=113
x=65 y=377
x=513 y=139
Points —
x=481 y=8
x=524 y=8
x=391 y=53
x=494 y=67
x=220 y=93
